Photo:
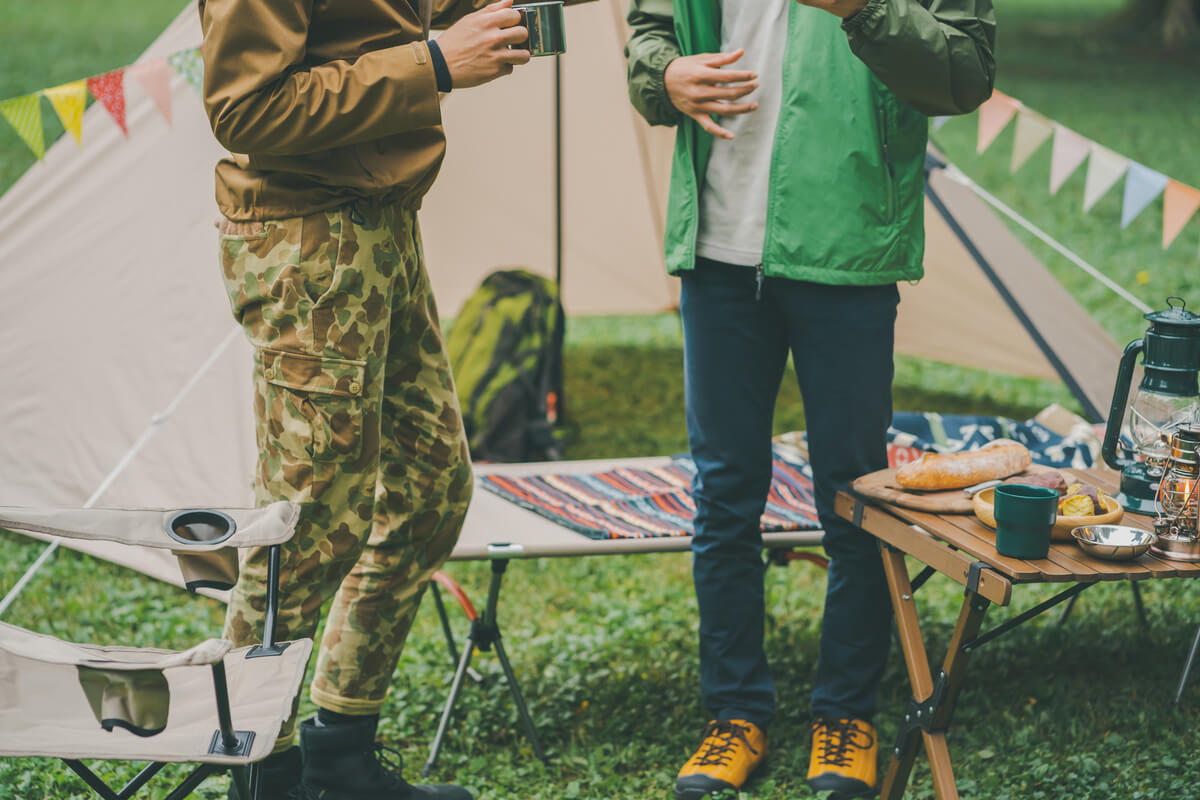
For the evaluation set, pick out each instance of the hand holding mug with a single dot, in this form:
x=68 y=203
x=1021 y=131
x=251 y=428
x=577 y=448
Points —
x=698 y=87
x=479 y=47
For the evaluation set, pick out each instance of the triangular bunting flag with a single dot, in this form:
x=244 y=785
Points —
x=994 y=114
x=109 y=89
x=155 y=79
x=188 y=65
x=1142 y=186
x=69 y=102
x=1032 y=131
x=1180 y=202
x=938 y=122
x=25 y=115
x=1105 y=168
x=1070 y=149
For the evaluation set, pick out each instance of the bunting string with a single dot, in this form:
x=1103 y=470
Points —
x=69 y=100
x=1105 y=168
x=1069 y=150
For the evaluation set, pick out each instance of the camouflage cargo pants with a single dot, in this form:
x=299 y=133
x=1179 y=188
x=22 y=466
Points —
x=358 y=422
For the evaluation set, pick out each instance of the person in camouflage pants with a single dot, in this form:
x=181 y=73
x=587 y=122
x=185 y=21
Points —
x=358 y=423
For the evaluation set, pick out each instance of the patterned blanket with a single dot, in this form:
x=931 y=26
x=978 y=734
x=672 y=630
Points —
x=1055 y=437
x=627 y=503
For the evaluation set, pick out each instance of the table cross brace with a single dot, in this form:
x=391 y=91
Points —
x=1020 y=619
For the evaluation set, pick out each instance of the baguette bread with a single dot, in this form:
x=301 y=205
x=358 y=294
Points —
x=934 y=471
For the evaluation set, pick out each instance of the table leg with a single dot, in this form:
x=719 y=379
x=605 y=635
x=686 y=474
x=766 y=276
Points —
x=933 y=699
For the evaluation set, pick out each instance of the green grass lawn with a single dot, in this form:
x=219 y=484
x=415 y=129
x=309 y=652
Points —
x=606 y=647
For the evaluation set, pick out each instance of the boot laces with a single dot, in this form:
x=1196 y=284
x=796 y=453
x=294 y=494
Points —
x=840 y=737
x=720 y=742
x=390 y=763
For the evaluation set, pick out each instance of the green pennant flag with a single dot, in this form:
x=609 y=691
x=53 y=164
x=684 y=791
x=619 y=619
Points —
x=189 y=66
x=25 y=115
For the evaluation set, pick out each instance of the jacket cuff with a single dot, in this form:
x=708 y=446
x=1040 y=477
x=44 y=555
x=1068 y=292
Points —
x=864 y=17
x=654 y=94
x=444 y=82
x=423 y=109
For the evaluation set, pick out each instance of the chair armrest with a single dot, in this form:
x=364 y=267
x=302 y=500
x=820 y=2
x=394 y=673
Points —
x=249 y=527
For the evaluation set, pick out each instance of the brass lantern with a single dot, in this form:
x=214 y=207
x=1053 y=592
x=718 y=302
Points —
x=1178 y=524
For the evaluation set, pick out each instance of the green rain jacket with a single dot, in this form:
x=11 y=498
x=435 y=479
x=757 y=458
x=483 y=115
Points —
x=847 y=178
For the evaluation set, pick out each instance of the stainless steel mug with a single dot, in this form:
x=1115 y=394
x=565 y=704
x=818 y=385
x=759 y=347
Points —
x=545 y=24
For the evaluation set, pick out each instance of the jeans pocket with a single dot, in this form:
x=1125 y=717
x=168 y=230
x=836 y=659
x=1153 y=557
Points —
x=313 y=405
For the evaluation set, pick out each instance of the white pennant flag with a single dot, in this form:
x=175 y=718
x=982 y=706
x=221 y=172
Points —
x=1105 y=168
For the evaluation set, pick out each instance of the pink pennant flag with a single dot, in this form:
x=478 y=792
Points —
x=1180 y=202
x=155 y=78
x=109 y=89
x=1032 y=132
x=994 y=114
x=1069 y=151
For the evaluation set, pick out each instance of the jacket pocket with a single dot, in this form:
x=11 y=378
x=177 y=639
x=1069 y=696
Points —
x=314 y=405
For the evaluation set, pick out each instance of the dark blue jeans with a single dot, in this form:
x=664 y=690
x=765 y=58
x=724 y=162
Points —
x=735 y=352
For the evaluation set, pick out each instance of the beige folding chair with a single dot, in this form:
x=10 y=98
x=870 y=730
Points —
x=212 y=706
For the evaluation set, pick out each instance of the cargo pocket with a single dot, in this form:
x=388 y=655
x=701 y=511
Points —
x=314 y=405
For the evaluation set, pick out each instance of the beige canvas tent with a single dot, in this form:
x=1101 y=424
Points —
x=128 y=384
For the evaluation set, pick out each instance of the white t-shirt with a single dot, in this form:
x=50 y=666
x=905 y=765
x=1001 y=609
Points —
x=733 y=199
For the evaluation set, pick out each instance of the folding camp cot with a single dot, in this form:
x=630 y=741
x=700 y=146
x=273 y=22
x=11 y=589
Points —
x=212 y=706
x=500 y=531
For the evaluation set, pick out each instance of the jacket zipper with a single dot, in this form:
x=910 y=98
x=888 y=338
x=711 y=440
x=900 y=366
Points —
x=769 y=231
x=758 y=282
x=887 y=164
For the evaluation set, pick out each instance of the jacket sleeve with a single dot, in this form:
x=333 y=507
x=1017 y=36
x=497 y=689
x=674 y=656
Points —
x=262 y=99
x=650 y=49
x=935 y=54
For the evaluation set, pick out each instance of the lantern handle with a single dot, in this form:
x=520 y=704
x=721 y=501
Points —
x=1116 y=414
x=1182 y=302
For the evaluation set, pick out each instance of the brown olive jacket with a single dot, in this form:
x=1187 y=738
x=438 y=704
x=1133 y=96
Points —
x=322 y=101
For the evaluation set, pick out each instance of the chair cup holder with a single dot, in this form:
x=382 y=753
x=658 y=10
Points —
x=200 y=526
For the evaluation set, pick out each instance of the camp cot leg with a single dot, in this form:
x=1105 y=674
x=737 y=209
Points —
x=468 y=609
x=464 y=663
x=449 y=634
x=519 y=699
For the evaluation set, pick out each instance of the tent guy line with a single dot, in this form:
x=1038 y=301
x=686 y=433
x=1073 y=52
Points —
x=156 y=423
x=957 y=175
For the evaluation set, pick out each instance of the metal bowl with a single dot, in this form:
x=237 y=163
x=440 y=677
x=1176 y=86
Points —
x=1113 y=542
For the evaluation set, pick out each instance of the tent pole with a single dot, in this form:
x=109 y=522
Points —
x=1092 y=413
x=558 y=183
x=560 y=322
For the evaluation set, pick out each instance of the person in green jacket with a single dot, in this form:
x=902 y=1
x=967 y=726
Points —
x=795 y=206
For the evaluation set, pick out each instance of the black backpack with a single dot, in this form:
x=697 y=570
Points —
x=506 y=352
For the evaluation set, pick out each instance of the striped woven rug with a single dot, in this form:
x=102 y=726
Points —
x=631 y=503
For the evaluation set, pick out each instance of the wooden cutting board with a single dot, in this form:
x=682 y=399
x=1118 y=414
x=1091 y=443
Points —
x=882 y=485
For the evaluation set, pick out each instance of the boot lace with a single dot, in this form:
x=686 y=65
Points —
x=390 y=763
x=839 y=738
x=720 y=743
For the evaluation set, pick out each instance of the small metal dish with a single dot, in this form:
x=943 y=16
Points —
x=1113 y=542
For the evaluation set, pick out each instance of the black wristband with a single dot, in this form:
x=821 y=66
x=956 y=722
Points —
x=440 y=69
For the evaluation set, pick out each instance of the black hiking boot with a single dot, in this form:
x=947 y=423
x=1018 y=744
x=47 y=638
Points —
x=276 y=777
x=342 y=762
